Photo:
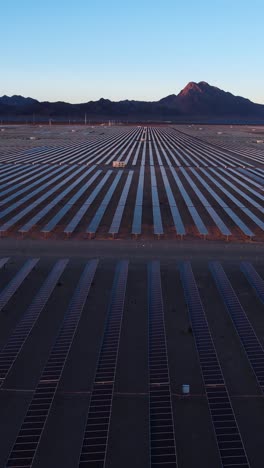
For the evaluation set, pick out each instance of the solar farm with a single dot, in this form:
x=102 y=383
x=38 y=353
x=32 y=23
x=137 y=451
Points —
x=62 y=184
x=131 y=297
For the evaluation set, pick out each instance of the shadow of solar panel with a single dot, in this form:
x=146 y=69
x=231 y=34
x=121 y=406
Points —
x=251 y=344
x=16 y=282
x=254 y=279
x=17 y=340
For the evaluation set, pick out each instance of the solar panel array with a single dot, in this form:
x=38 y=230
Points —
x=182 y=187
x=162 y=438
x=162 y=418
x=25 y=447
x=231 y=447
x=94 y=447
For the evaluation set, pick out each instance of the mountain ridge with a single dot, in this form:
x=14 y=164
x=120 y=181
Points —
x=195 y=99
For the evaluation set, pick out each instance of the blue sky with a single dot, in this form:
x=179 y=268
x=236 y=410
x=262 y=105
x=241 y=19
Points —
x=146 y=49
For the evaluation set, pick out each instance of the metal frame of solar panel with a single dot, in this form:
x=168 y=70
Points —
x=16 y=341
x=10 y=289
x=162 y=432
x=251 y=344
x=95 y=441
x=253 y=278
x=29 y=436
x=228 y=437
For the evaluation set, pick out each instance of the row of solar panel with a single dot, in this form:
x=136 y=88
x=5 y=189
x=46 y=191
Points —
x=95 y=434
x=176 y=148
x=51 y=176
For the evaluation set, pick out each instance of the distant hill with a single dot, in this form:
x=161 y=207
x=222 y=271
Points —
x=195 y=101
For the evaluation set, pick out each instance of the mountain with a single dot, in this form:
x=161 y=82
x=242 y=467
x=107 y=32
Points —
x=197 y=100
x=17 y=101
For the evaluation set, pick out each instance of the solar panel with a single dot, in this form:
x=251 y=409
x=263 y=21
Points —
x=137 y=218
x=114 y=228
x=251 y=175
x=33 y=221
x=238 y=181
x=191 y=208
x=240 y=205
x=94 y=224
x=230 y=445
x=251 y=344
x=37 y=202
x=55 y=220
x=30 y=195
x=240 y=192
x=17 y=340
x=136 y=154
x=235 y=218
x=25 y=447
x=162 y=449
x=25 y=173
x=16 y=282
x=81 y=212
x=254 y=279
x=125 y=143
x=95 y=441
x=158 y=227
x=163 y=145
x=218 y=221
x=178 y=223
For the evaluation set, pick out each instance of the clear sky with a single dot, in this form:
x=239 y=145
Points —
x=81 y=50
